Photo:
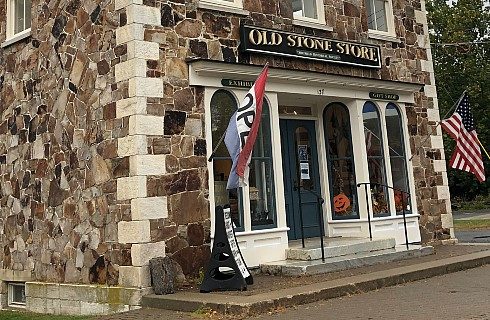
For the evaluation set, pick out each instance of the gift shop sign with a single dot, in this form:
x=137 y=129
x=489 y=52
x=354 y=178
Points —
x=281 y=43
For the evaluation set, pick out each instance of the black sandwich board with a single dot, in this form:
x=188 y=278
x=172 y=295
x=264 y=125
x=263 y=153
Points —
x=226 y=269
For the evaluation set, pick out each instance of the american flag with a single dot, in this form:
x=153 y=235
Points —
x=461 y=127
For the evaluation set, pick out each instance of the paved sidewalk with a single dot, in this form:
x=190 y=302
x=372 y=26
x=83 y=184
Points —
x=269 y=292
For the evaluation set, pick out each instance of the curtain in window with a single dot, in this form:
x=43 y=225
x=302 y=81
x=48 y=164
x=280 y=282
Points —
x=223 y=105
x=305 y=8
x=261 y=181
x=340 y=161
x=375 y=159
x=21 y=14
x=376 y=10
x=397 y=157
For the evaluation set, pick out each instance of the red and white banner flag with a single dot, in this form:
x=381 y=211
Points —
x=242 y=131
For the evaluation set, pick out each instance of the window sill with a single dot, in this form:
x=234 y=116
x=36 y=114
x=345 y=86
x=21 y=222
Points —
x=382 y=36
x=222 y=8
x=16 y=38
x=311 y=24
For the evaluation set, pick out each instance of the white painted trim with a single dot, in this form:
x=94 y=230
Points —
x=16 y=38
x=379 y=35
x=309 y=23
x=398 y=217
x=261 y=231
x=209 y=73
x=235 y=7
x=391 y=33
x=239 y=94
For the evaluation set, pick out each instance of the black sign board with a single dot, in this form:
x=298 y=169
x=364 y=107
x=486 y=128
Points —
x=281 y=43
x=237 y=83
x=384 y=96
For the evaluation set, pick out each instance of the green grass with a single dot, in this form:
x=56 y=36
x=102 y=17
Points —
x=19 y=315
x=472 y=224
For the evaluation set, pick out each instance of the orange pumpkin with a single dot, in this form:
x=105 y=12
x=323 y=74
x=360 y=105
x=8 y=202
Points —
x=341 y=202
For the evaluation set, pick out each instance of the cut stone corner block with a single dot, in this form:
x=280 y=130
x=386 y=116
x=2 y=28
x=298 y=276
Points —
x=142 y=14
x=146 y=87
x=132 y=145
x=136 y=277
x=141 y=254
x=131 y=187
x=146 y=165
x=146 y=125
x=133 y=231
x=149 y=208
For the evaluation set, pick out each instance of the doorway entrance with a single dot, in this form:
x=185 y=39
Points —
x=301 y=177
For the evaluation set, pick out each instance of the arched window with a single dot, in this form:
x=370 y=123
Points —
x=260 y=190
x=261 y=181
x=223 y=105
x=375 y=159
x=398 y=162
x=340 y=161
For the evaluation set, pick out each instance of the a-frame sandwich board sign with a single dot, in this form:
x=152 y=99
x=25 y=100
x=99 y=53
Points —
x=226 y=269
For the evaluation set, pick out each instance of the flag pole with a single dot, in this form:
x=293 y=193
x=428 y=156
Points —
x=438 y=124
x=481 y=145
x=220 y=141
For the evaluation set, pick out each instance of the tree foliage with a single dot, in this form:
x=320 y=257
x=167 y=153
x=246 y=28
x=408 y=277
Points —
x=460 y=37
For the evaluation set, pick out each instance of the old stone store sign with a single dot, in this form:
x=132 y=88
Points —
x=276 y=42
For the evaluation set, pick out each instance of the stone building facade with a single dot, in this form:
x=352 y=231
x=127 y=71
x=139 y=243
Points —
x=106 y=128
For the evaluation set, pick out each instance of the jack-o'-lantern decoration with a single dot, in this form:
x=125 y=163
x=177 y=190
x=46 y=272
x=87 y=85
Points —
x=341 y=203
x=398 y=201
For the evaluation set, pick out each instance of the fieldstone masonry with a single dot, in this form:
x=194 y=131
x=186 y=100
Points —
x=102 y=149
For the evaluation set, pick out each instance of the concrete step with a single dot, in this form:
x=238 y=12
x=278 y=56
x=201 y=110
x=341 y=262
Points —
x=338 y=263
x=338 y=247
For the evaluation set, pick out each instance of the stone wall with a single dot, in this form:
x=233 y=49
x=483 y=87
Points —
x=102 y=149
x=188 y=31
x=58 y=146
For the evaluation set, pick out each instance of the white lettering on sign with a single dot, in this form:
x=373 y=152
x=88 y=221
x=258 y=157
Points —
x=234 y=245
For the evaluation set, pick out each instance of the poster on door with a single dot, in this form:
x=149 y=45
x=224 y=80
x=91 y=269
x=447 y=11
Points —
x=304 y=168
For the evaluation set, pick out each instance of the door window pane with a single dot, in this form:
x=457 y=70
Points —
x=375 y=159
x=261 y=178
x=223 y=105
x=397 y=157
x=340 y=160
